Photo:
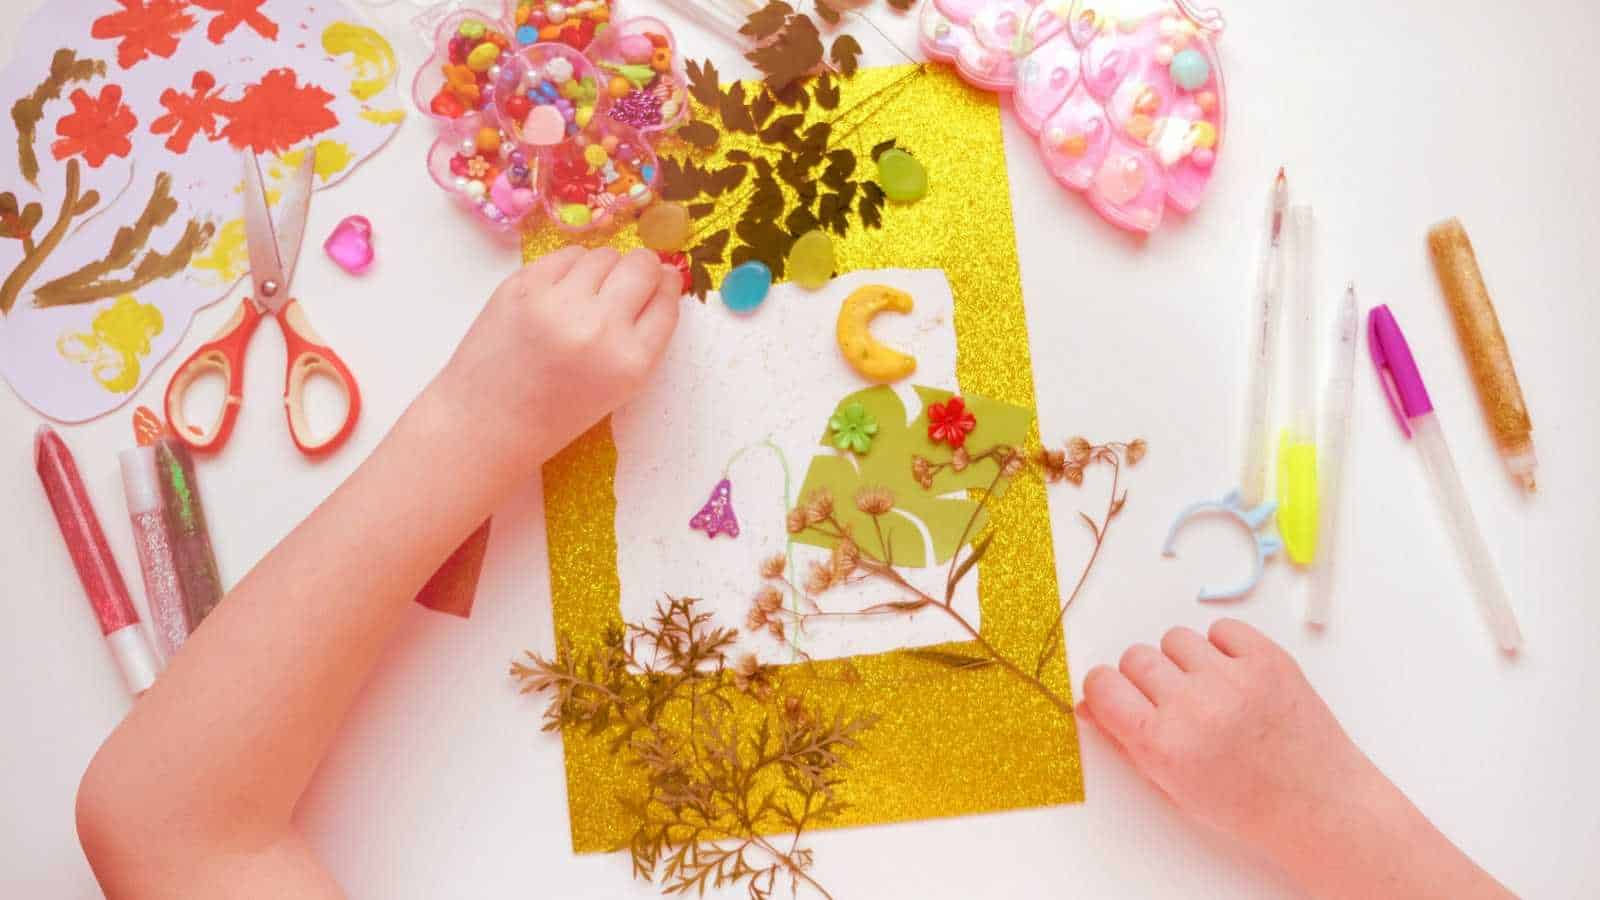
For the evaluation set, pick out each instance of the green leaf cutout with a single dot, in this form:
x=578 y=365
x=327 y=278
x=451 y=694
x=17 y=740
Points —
x=945 y=509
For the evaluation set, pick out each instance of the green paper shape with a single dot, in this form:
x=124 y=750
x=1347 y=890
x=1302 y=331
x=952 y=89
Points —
x=943 y=510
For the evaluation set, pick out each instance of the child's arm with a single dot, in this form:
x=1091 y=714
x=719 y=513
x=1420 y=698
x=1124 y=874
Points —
x=192 y=795
x=1232 y=732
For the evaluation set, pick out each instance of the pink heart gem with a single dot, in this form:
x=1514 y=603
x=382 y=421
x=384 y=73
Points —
x=544 y=126
x=350 y=245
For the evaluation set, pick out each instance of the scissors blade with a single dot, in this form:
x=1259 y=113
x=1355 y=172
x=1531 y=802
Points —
x=261 y=240
x=294 y=206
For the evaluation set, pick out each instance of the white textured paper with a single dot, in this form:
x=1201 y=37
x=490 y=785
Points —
x=733 y=381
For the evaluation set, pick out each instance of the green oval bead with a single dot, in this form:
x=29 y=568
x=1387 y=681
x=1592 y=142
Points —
x=811 y=259
x=576 y=215
x=1190 y=70
x=902 y=178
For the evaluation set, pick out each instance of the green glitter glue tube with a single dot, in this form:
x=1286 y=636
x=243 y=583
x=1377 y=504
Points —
x=185 y=517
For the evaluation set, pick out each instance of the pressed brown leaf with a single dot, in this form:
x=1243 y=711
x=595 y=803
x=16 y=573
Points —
x=826 y=92
x=761 y=107
x=735 y=114
x=870 y=209
x=782 y=130
x=881 y=148
x=792 y=53
x=846 y=54
x=698 y=133
x=737 y=156
x=703 y=84
x=710 y=250
x=799 y=221
x=792 y=95
x=727 y=178
x=699 y=280
x=902 y=5
x=841 y=164
x=701 y=210
x=827 y=13
x=766 y=21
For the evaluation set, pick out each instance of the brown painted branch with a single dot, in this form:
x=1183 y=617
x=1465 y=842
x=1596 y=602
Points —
x=153 y=266
x=14 y=283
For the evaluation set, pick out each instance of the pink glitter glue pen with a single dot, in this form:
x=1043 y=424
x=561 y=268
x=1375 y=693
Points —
x=97 y=568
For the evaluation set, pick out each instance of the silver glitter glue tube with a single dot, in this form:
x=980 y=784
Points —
x=185 y=520
x=141 y=485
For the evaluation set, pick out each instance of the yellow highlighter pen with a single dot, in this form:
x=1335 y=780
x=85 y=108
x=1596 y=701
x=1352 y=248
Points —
x=1297 y=441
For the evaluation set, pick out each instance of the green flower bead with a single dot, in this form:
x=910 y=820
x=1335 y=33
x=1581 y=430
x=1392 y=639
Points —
x=853 y=428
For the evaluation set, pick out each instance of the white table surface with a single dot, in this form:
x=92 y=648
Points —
x=1390 y=116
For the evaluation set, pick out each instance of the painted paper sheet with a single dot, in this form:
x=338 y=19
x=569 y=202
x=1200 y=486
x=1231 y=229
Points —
x=119 y=170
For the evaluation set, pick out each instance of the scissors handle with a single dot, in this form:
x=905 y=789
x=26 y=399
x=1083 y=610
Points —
x=223 y=354
x=308 y=356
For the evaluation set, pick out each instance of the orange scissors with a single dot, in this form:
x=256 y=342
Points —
x=273 y=251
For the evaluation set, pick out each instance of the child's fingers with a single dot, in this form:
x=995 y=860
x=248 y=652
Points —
x=589 y=272
x=659 y=317
x=1235 y=638
x=631 y=284
x=1115 y=706
x=1188 y=649
x=1152 y=673
x=552 y=267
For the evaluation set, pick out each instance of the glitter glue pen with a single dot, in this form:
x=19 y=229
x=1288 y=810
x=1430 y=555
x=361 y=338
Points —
x=1478 y=329
x=1297 y=442
x=185 y=519
x=97 y=568
x=1263 y=352
x=1336 y=404
x=163 y=590
x=1402 y=384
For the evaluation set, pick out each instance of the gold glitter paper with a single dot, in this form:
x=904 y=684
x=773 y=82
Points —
x=948 y=743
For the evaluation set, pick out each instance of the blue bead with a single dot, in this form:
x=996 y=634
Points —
x=549 y=90
x=648 y=173
x=527 y=34
x=1189 y=70
x=746 y=286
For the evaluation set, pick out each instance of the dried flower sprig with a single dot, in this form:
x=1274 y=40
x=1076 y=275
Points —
x=715 y=796
x=816 y=513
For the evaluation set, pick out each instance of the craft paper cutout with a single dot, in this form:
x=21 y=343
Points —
x=1129 y=109
x=950 y=743
x=938 y=516
x=717 y=517
x=119 y=170
x=454 y=586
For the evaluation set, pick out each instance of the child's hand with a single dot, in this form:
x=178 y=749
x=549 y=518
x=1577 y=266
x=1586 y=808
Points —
x=562 y=343
x=1230 y=729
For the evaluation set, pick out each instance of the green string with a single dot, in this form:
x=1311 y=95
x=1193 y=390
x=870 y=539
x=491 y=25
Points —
x=783 y=515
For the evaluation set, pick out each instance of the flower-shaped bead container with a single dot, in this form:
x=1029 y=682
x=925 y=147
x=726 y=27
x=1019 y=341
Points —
x=552 y=107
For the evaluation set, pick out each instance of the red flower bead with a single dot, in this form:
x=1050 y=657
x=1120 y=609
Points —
x=950 y=422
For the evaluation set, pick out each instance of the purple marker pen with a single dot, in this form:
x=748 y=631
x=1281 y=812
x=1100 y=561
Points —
x=1402 y=384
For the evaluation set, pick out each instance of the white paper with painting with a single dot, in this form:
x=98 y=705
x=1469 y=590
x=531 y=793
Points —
x=747 y=398
x=119 y=172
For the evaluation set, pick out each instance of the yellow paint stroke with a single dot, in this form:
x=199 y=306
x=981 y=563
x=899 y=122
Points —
x=333 y=157
x=227 y=256
x=384 y=116
x=372 y=59
x=119 y=337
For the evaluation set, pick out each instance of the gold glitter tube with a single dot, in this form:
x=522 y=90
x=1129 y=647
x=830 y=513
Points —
x=1478 y=329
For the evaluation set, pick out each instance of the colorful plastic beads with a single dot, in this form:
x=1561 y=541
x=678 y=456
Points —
x=645 y=89
x=546 y=96
x=496 y=175
x=573 y=24
x=598 y=176
x=472 y=59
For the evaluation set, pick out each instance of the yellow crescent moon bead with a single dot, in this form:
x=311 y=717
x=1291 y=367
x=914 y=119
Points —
x=875 y=361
